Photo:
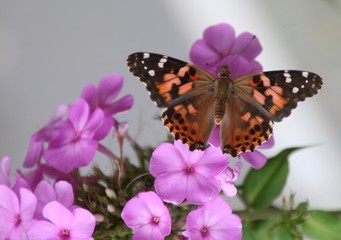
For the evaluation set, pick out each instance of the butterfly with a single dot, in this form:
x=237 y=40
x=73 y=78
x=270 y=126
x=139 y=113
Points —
x=194 y=101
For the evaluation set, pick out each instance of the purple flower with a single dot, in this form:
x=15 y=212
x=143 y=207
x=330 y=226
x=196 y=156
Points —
x=103 y=96
x=228 y=178
x=220 y=46
x=75 y=145
x=46 y=193
x=29 y=179
x=5 y=168
x=63 y=224
x=181 y=174
x=213 y=220
x=147 y=216
x=15 y=213
x=45 y=134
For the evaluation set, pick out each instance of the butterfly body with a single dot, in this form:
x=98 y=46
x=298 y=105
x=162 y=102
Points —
x=194 y=101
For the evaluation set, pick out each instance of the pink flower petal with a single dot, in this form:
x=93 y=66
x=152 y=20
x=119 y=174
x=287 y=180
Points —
x=58 y=214
x=83 y=224
x=8 y=199
x=42 y=230
x=202 y=55
x=256 y=159
x=121 y=105
x=78 y=114
x=220 y=37
x=5 y=170
x=166 y=158
x=92 y=123
x=212 y=162
x=64 y=193
x=74 y=155
x=104 y=128
x=200 y=189
x=34 y=152
x=28 y=202
x=109 y=88
x=171 y=187
x=247 y=46
x=89 y=94
x=268 y=144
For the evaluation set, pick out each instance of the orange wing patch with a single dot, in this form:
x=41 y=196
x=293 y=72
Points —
x=180 y=120
x=252 y=132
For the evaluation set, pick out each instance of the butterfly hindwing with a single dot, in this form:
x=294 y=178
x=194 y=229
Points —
x=243 y=128
x=183 y=91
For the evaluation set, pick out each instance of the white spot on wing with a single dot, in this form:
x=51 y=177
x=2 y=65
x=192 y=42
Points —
x=162 y=62
x=286 y=74
x=145 y=68
x=295 y=90
x=146 y=55
x=151 y=73
x=305 y=74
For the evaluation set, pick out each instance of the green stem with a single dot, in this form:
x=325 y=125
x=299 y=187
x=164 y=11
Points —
x=266 y=214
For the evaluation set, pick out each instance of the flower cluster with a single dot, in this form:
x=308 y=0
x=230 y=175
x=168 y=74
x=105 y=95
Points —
x=47 y=212
x=52 y=200
x=35 y=208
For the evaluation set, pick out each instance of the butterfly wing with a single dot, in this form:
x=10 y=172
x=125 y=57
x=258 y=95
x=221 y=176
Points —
x=259 y=100
x=185 y=92
x=243 y=127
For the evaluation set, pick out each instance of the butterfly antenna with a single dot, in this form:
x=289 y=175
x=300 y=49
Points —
x=244 y=49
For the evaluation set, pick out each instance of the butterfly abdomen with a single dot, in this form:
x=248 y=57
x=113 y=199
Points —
x=222 y=89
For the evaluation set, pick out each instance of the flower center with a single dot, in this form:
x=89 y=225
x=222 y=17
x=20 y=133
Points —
x=65 y=234
x=190 y=169
x=156 y=220
x=17 y=220
x=204 y=231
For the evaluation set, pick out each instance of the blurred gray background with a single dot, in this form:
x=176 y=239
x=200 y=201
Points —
x=50 y=49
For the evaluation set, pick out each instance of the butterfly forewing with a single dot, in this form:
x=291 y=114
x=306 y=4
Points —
x=276 y=93
x=184 y=91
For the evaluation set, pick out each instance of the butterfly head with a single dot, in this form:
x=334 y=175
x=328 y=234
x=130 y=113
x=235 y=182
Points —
x=224 y=72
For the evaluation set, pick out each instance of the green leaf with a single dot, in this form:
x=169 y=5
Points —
x=322 y=225
x=262 y=186
x=247 y=233
x=282 y=232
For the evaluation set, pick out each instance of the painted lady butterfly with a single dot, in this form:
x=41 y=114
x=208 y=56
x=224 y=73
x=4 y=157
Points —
x=194 y=101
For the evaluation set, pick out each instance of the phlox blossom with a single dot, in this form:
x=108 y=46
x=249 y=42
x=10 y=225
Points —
x=16 y=213
x=183 y=174
x=213 y=220
x=220 y=46
x=63 y=224
x=147 y=216
x=61 y=191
